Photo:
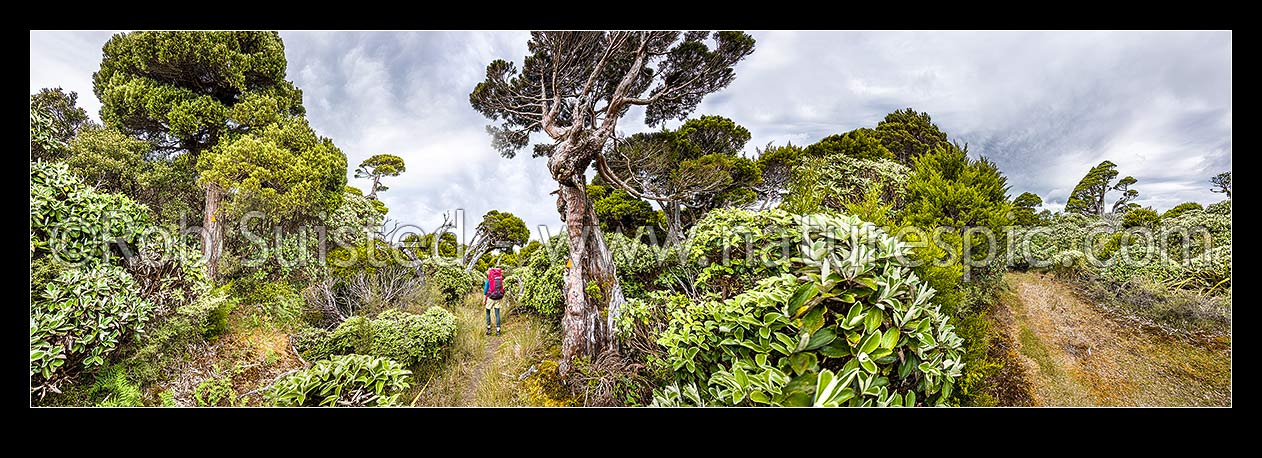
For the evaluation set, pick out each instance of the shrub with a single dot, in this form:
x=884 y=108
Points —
x=1180 y=209
x=824 y=183
x=636 y=263
x=449 y=279
x=405 y=337
x=736 y=248
x=72 y=222
x=1143 y=217
x=542 y=279
x=414 y=339
x=164 y=341
x=830 y=334
x=343 y=380
x=1219 y=208
x=79 y=319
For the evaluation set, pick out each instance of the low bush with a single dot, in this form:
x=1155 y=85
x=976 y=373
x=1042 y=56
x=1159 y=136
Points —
x=411 y=339
x=79 y=319
x=342 y=380
x=849 y=326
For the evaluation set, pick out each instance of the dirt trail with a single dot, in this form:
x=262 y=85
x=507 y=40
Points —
x=1076 y=355
x=467 y=396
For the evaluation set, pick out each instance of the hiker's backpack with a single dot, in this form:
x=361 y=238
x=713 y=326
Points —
x=495 y=277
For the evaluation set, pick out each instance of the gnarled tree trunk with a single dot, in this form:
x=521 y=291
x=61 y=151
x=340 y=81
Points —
x=588 y=320
x=212 y=239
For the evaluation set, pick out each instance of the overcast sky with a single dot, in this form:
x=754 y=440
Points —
x=1046 y=106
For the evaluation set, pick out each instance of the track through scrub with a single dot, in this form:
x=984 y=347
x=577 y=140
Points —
x=1076 y=355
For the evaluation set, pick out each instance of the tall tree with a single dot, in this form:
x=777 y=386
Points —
x=688 y=172
x=1088 y=196
x=284 y=170
x=948 y=189
x=1222 y=183
x=775 y=164
x=1128 y=194
x=1023 y=209
x=498 y=230
x=575 y=87
x=908 y=134
x=65 y=119
x=381 y=165
x=185 y=92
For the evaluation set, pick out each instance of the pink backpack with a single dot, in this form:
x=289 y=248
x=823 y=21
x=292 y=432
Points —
x=495 y=278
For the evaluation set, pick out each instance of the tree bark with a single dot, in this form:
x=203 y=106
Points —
x=674 y=226
x=588 y=321
x=212 y=241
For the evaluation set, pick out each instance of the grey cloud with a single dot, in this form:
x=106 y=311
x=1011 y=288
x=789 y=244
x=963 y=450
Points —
x=1046 y=106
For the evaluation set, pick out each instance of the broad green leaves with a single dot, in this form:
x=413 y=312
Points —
x=850 y=326
x=344 y=380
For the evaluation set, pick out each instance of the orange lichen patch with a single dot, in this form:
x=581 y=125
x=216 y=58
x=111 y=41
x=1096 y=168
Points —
x=1076 y=354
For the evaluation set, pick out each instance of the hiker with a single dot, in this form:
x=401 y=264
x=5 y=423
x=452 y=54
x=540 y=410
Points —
x=492 y=293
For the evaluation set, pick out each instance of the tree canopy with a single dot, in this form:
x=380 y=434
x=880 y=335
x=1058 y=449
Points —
x=1088 y=196
x=378 y=166
x=65 y=119
x=907 y=134
x=862 y=143
x=1222 y=183
x=183 y=91
x=1023 y=210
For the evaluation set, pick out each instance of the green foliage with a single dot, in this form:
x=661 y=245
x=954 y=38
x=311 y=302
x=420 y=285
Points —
x=503 y=229
x=1087 y=197
x=110 y=160
x=162 y=346
x=1222 y=208
x=216 y=391
x=343 y=380
x=1180 y=209
x=830 y=182
x=542 y=278
x=57 y=118
x=776 y=164
x=72 y=222
x=830 y=334
x=711 y=135
x=378 y=166
x=112 y=389
x=951 y=191
x=861 y=143
x=449 y=279
x=1142 y=217
x=1023 y=210
x=410 y=339
x=282 y=169
x=908 y=134
x=353 y=220
x=619 y=211
x=636 y=263
x=414 y=339
x=78 y=320
x=187 y=90
x=688 y=171
x=736 y=248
